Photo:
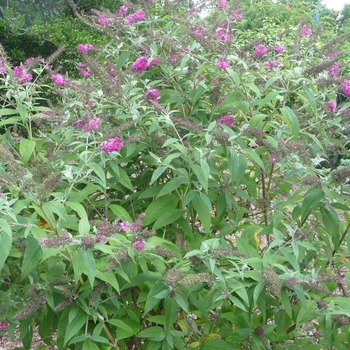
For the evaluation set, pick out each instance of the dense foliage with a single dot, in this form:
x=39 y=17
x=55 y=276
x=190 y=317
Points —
x=188 y=190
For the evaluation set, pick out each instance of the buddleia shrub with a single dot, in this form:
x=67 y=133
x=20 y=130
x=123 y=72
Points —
x=179 y=194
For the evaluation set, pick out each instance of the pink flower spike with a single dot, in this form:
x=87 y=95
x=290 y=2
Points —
x=260 y=50
x=345 y=87
x=279 y=49
x=112 y=145
x=334 y=69
x=84 y=48
x=103 y=20
x=221 y=36
x=139 y=244
x=58 y=79
x=227 y=120
x=92 y=125
x=237 y=14
x=18 y=72
x=29 y=60
x=140 y=64
x=152 y=95
x=222 y=64
x=306 y=31
x=332 y=106
x=222 y=4
x=122 y=11
x=155 y=61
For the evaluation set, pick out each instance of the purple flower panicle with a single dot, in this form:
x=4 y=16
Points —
x=139 y=244
x=279 y=49
x=306 y=31
x=222 y=4
x=260 y=50
x=227 y=120
x=112 y=145
x=331 y=105
x=222 y=64
x=58 y=80
x=140 y=64
x=152 y=95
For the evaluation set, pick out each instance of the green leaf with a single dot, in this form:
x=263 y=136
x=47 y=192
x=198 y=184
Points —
x=26 y=149
x=89 y=345
x=122 y=59
x=158 y=207
x=310 y=97
x=217 y=344
x=7 y=111
x=118 y=210
x=203 y=211
x=171 y=308
x=151 y=332
x=90 y=265
x=84 y=226
x=151 y=301
x=181 y=300
x=78 y=264
x=82 y=194
x=233 y=102
x=168 y=218
x=254 y=157
x=289 y=117
x=5 y=241
x=125 y=328
x=331 y=223
x=32 y=257
x=172 y=185
x=9 y=121
x=311 y=200
x=124 y=179
x=158 y=172
x=109 y=278
x=99 y=172
x=73 y=327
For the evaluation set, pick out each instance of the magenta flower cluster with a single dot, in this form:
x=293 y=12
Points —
x=112 y=145
x=152 y=95
x=4 y=326
x=122 y=11
x=345 y=87
x=84 y=48
x=135 y=17
x=2 y=68
x=222 y=36
x=173 y=57
x=272 y=64
x=58 y=79
x=279 y=49
x=222 y=64
x=334 y=69
x=228 y=120
x=199 y=31
x=222 y=4
x=237 y=14
x=139 y=244
x=85 y=72
x=331 y=105
x=140 y=64
x=90 y=126
x=104 y=20
x=260 y=50
x=29 y=60
x=306 y=31
x=22 y=76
